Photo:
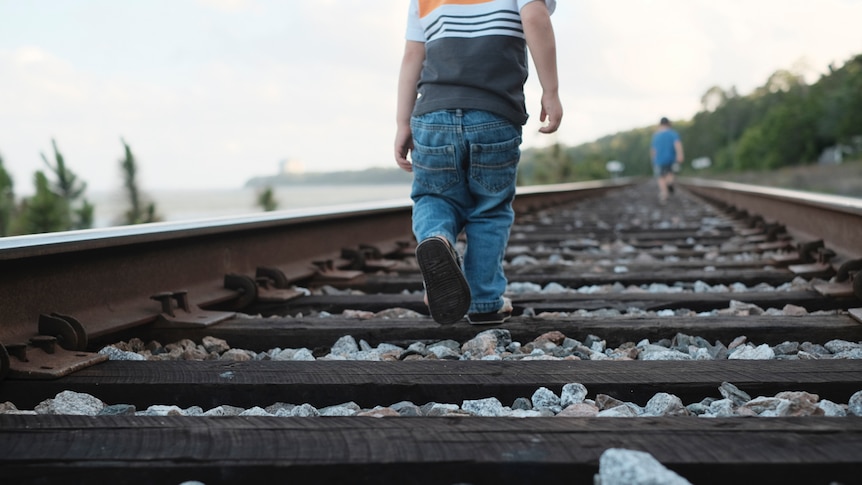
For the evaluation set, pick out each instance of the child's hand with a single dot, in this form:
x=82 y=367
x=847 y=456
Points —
x=552 y=113
x=403 y=145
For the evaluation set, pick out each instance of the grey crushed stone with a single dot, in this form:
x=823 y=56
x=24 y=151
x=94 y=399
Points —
x=543 y=402
x=630 y=467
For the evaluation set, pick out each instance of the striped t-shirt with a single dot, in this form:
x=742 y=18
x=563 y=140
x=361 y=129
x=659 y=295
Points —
x=475 y=55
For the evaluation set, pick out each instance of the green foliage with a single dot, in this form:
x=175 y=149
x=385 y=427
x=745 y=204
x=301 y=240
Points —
x=550 y=166
x=67 y=184
x=83 y=215
x=782 y=123
x=841 y=94
x=69 y=189
x=57 y=205
x=139 y=211
x=46 y=211
x=7 y=200
x=558 y=164
x=785 y=136
x=266 y=200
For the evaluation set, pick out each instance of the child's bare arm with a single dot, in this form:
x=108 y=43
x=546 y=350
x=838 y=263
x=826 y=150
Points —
x=411 y=68
x=543 y=48
x=679 y=153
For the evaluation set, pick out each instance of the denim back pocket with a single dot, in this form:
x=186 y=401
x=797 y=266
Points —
x=435 y=168
x=494 y=166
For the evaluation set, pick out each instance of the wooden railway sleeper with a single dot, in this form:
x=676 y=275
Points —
x=57 y=350
x=183 y=315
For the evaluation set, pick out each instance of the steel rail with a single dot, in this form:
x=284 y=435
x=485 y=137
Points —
x=807 y=216
x=91 y=283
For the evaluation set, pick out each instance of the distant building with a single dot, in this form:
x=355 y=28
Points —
x=287 y=167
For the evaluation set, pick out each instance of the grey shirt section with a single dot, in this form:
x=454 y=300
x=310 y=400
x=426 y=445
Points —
x=484 y=73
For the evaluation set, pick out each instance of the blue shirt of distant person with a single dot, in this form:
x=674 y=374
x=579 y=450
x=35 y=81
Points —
x=666 y=148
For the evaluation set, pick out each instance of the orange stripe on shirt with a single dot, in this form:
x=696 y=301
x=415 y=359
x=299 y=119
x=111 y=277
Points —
x=428 y=6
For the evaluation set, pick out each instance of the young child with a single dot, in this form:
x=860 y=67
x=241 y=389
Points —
x=460 y=115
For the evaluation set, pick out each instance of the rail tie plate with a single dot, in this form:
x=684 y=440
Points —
x=43 y=359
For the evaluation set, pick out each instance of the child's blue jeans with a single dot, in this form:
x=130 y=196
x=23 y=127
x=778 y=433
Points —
x=465 y=165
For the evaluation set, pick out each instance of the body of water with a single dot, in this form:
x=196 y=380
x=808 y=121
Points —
x=184 y=205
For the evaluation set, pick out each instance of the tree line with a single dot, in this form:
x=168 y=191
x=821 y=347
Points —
x=785 y=122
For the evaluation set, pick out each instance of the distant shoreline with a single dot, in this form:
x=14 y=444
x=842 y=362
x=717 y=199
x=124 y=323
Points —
x=188 y=204
x=372 y=176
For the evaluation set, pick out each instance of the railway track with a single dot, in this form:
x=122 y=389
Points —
x=323 y=312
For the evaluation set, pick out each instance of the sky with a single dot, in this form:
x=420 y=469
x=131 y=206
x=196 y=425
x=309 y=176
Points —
x=209 y=93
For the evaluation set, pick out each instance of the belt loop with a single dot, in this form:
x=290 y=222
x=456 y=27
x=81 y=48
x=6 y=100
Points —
x=459 y=113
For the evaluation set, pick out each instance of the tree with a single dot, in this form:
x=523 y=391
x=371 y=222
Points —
x=788 y=130
x=139 y=211
x=713 y=99
x=45 y=211
x=783 y=80
x=266 y=200
x=7 y=200
x=82 y=217
x=849 y=96
x=68 y=187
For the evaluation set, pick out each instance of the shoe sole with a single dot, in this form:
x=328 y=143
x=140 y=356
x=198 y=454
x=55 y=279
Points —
x=447 y=289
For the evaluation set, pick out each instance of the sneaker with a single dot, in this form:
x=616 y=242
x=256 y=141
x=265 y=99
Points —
x=446 y=289
x=492 y=318
x=670 y=189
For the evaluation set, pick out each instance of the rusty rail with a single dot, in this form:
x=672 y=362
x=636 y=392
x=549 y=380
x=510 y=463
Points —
x=829 y=226
x=807 y=216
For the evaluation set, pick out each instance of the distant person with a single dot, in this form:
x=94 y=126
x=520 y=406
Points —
x=460 y=116
x=666 y=155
